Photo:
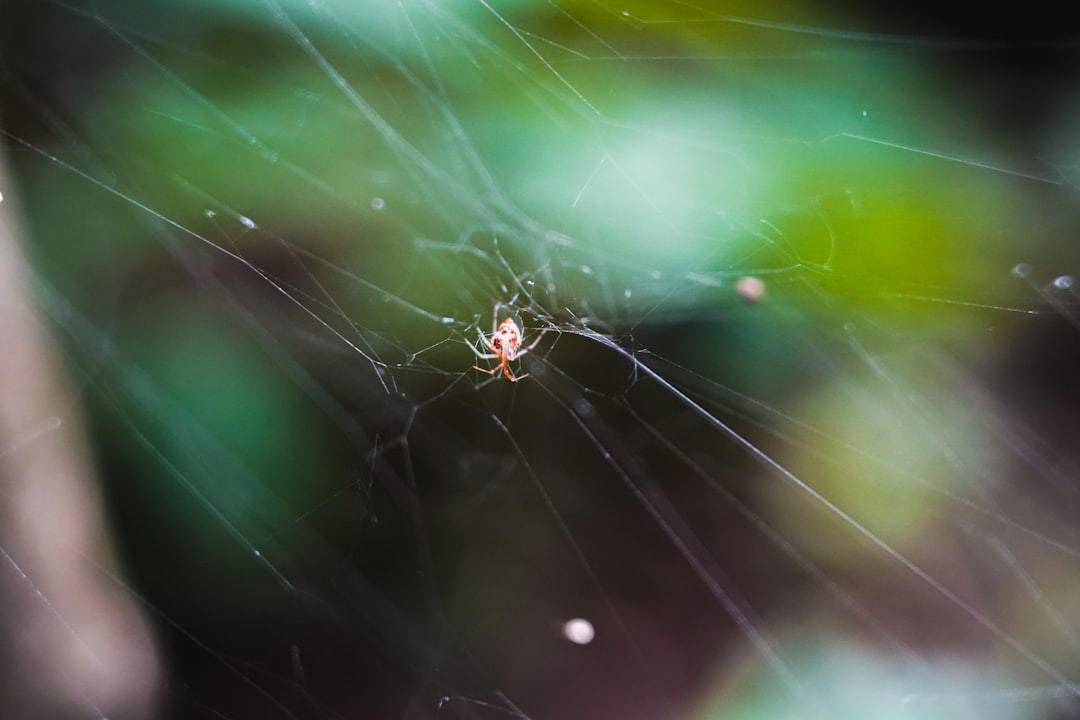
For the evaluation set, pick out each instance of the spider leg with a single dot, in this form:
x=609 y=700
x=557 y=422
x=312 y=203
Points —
x=512 y=378
x=532 y=344
x=489 y=371
x=484 y=356
x=487 y=343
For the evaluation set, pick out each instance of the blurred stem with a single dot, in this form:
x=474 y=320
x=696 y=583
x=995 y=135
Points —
x=72 y=641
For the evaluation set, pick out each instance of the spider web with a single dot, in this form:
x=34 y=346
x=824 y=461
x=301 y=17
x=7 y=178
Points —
x=797 y=435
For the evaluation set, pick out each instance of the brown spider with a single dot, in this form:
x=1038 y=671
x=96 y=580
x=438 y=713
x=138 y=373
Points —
x=505 y=345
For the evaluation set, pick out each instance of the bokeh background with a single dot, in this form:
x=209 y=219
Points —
x=259 y=237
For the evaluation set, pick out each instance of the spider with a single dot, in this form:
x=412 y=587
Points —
x=505 y=345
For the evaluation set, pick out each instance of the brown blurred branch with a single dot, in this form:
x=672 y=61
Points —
x=73 y=643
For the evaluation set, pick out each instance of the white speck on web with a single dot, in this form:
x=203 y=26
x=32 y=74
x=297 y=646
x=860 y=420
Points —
x=579 y=631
